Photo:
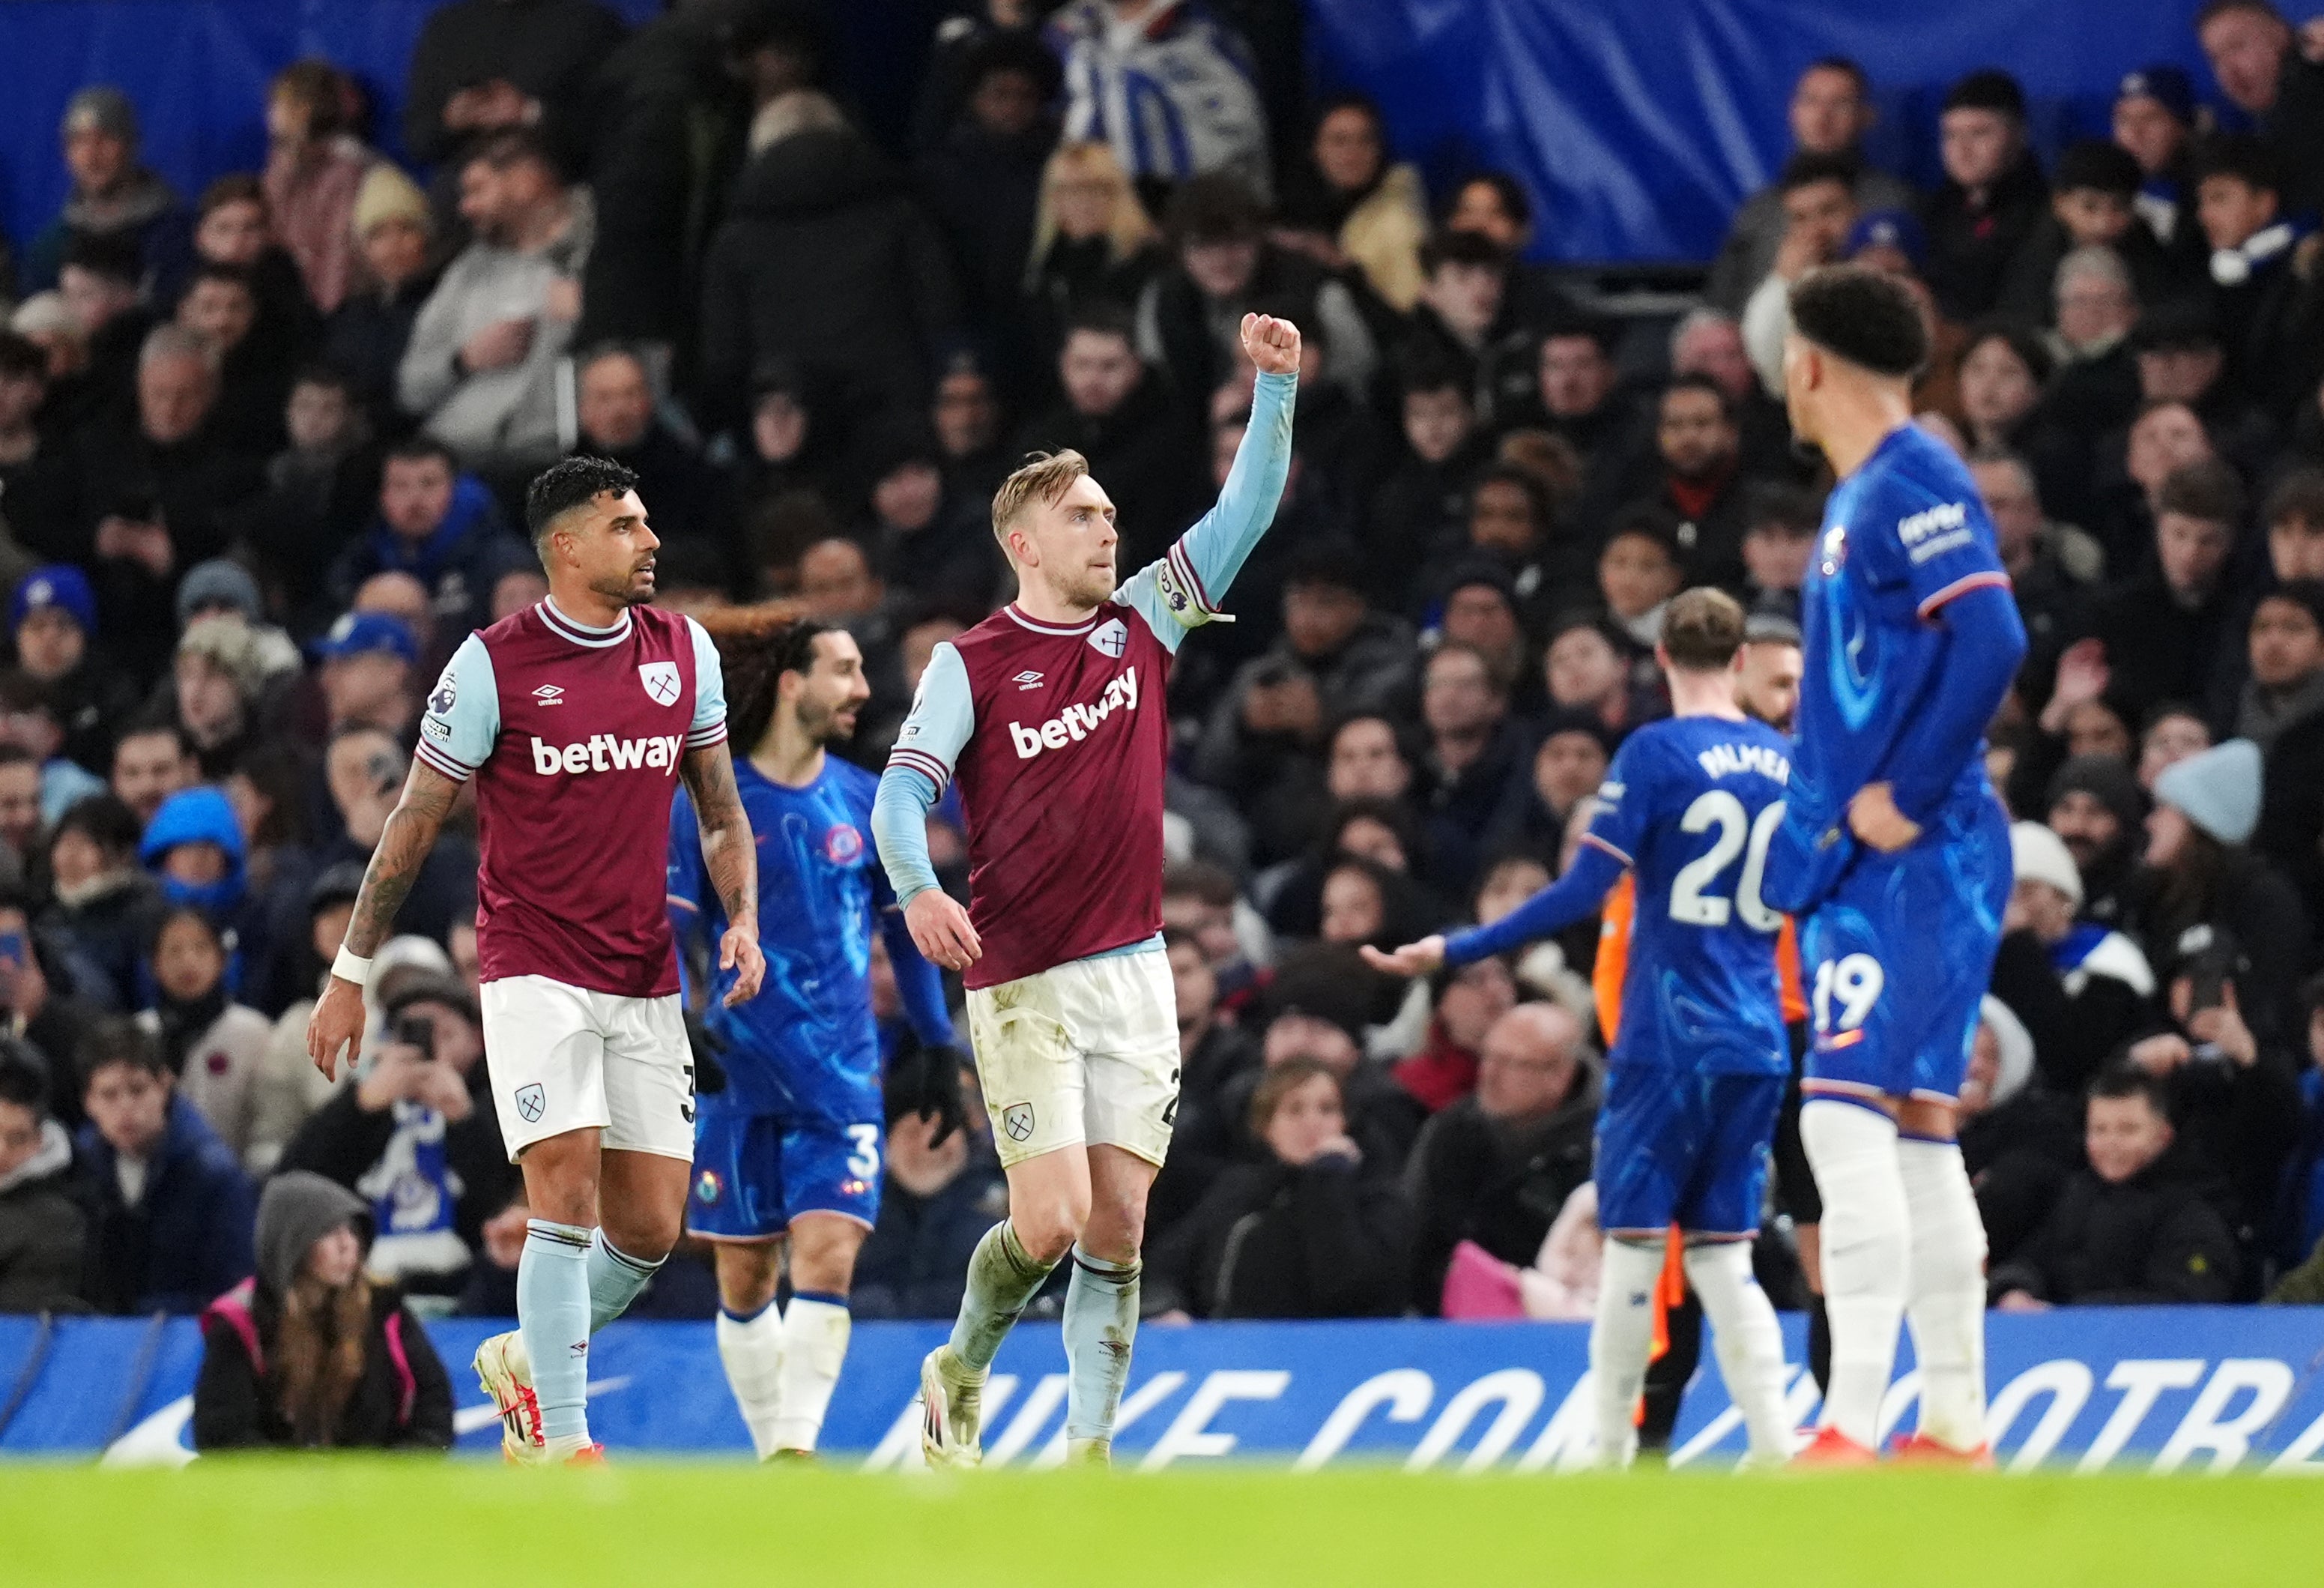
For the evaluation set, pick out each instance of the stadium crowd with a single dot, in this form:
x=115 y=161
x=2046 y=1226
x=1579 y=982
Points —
x=261 y=453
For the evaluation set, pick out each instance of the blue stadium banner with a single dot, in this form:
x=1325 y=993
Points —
x=2166 y=1390
x=1638 y=128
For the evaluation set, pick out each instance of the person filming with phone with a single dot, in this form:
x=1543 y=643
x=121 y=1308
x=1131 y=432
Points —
x=2227 y=938
x=416 y=1138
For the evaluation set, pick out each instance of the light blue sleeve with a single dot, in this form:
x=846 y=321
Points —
x=709 y=724
x=462 y=719
x=942 y=714
x=1182 y=591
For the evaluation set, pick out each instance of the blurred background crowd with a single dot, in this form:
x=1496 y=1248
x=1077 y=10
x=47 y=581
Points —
x=262 y=448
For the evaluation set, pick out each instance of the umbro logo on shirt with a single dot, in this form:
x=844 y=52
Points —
x=1028 y=680
x=550 y=695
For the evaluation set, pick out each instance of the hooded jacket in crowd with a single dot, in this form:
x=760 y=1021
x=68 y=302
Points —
x=400 y=1397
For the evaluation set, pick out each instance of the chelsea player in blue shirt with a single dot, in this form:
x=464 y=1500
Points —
x=789 y=1151
x=1895 y=851
x=1701 y=1062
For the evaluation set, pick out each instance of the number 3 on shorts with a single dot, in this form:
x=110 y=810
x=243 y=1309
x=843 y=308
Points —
x=863 y=1163
x=1856 y=981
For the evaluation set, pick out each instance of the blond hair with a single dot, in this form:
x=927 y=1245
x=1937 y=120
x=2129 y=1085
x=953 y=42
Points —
x=1128 y=229
x=1045 y=477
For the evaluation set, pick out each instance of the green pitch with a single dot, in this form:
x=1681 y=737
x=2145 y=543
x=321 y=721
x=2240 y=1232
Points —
x=663 y=1525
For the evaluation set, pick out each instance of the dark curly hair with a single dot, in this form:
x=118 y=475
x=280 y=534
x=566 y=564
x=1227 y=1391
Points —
x=757 y=645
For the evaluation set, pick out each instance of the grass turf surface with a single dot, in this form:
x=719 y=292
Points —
x=409 y=1524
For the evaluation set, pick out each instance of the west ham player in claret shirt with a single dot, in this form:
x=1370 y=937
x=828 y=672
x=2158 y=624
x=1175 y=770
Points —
x=1050 y=715
x=576 y=719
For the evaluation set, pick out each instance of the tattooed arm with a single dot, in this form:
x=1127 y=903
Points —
x=337 y=1024
x=729 y=857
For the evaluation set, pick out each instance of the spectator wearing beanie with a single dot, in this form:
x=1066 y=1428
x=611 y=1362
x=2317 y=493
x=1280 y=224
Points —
x=217 y=677
x=52 y=617
x=114 y=194
x=1992 y=195
x=2200 y=875
x=2081 y=988
x=2096 y=805
x=222 y=587
x=366 y=335
x=2154 y=120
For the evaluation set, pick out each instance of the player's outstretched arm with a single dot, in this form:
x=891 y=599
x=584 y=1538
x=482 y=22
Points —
x=731 y=858
x=1582 y=889
x=337 y=1022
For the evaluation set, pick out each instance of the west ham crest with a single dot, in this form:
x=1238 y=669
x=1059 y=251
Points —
x=1111 y=637
x=531 y=1104
x=1017 y=1119
x=660 y=679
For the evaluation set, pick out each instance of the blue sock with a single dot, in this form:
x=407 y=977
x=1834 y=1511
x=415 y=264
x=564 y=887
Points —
x=1101 y=1323
x=616 y=1278
x=552 y=1311
x=1002 y=1277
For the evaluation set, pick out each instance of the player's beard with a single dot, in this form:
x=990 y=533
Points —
x=1086 y=587
x=623 y=590
x=822 y=724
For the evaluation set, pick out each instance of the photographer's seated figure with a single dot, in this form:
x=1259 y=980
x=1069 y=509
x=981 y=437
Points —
x=416 y=1138
x=312 y=1351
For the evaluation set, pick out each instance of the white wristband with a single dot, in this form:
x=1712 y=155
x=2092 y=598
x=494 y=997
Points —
x=352 y=967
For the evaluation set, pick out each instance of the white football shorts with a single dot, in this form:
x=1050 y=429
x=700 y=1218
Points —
x=564 y=1058
x=1084 y=1053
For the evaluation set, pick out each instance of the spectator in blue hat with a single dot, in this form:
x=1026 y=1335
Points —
x=1830 y=111
x=435 y=523
x=368 y=680
x=2154 y=123
x=53 y=618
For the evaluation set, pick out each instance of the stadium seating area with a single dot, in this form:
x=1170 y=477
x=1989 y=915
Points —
x=264 y=452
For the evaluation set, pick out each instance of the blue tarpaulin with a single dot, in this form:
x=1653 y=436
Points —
x=2161 y=1388
x=1638 y=127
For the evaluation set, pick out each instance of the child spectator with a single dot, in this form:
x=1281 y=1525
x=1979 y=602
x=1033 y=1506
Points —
x=2127 y=1231
x=211 y=1044
x=169 y=1212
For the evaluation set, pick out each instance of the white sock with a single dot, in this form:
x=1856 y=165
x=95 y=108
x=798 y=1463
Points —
x=752 y=1350
x=1946 y=1296
x=1621 y=1339
x=1866 y=1242
x=814 y=1343
x=1749 y=1343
